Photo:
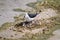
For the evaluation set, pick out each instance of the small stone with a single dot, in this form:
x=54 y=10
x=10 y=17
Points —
x=0 y=15
x=10 y=29
x=11 y=35
x=4 y=38
x=19 y=30
x=14 y=30
x=15 y=34
x=0 y=37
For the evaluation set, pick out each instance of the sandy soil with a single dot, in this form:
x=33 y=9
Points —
x=56 y=35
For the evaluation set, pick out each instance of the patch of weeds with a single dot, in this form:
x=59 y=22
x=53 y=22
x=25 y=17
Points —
x=19 y=18
x=5 y=26
x=37 y=37
x=21 y=10
x=18 y=10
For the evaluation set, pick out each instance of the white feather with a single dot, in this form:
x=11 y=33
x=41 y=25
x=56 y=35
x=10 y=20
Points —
x=27 y=18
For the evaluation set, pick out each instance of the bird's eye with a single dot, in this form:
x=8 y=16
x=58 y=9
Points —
x=40 y=11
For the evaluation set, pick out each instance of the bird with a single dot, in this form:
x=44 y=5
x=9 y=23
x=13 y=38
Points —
x=29 y=16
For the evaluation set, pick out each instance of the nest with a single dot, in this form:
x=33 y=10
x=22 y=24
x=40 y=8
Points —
x=35 y=24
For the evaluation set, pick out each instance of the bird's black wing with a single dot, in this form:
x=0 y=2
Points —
x=32 y=15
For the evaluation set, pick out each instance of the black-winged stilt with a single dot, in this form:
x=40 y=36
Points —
x=29 y=18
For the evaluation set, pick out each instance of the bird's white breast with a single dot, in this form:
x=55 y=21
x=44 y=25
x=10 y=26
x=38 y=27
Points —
x=27 y=18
